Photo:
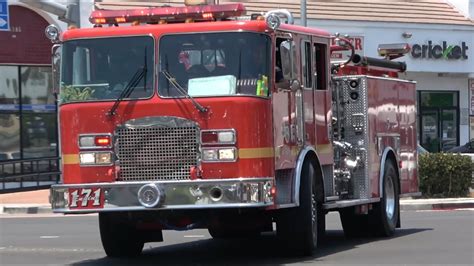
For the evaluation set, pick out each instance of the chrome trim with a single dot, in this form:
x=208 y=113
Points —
x=299 y=113
x=123 y=196
x=392 y=79
x=236 y=154
x=382 y=167
x=298 y=168
x=288 y=205
x=331 y=198
x=387 y=134
x=412 y=194
x=348 y=203
x=95 y=135
x=218 y=130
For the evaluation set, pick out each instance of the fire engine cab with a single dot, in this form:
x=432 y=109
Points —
x=203 y=116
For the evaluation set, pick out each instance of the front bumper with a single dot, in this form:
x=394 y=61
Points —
x=162 y=195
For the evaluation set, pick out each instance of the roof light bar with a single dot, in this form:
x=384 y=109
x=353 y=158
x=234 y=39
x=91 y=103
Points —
x=170 y=14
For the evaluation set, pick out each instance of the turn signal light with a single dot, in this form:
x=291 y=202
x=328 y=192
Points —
x=222 y=136
x=94 y=141
x=99 y=21
x=102 y=141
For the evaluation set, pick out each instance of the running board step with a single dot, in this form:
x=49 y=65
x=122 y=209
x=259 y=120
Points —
x=348 y=203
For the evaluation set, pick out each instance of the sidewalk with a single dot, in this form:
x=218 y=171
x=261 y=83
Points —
x=33 y=202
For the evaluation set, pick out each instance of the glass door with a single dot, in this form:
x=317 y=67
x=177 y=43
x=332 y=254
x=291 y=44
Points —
x=439 y=120
x=430 y=130
x=449 y=129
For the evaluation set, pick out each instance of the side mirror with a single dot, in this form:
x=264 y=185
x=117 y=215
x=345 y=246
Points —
x=286 y=55
x=55 y=67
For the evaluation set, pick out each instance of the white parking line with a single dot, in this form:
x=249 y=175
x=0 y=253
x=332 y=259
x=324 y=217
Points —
x=49 y=237
x=194 y=236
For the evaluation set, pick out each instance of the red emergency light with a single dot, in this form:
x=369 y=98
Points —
x=168 y=14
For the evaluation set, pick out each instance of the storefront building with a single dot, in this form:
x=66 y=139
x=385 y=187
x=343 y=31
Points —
x=28 y=127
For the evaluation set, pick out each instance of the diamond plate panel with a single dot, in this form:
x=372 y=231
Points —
x=355 y=113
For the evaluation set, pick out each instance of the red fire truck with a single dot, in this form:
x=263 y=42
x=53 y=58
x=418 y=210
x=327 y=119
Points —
x=202 y=116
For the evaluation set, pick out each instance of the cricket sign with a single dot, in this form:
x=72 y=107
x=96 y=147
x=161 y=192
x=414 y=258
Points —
x=440 y=51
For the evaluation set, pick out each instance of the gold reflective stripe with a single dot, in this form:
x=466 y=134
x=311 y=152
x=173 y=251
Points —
x=70 y=158
x=324 y=148
x=256 y=153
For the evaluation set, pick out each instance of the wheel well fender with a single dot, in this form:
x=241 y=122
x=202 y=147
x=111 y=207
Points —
x=308 y=153
x=388 y=154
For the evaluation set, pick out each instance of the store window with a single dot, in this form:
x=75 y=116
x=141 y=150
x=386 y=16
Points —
x=9 y=113
x=439 y=120
x=27 y=113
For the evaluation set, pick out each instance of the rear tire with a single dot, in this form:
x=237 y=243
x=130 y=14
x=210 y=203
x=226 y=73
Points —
x=120 y=238
x=385 y=215
x=298 y=227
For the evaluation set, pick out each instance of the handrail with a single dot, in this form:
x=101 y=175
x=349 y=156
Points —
x=28 y=174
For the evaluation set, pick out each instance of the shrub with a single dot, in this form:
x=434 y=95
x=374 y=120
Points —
x=444 y=174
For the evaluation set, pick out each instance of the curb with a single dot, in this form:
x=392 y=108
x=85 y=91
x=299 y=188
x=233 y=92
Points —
x=25 y=209
x=436 y=206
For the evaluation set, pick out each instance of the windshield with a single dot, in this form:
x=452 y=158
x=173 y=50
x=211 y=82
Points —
x=213 y=64
x=100 y=69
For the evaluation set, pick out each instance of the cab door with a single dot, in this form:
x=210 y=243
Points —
x=285 y=123
x=322 y=100
x=305 y=106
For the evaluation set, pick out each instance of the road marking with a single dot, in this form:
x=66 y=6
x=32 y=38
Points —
x=49 y=237
x=2 y=248
x=194 y=236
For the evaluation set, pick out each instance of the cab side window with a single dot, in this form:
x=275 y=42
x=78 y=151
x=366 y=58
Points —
x=320 y=57
x=306 y=64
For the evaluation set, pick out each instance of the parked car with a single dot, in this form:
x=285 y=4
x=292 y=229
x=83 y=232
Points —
x=466 y=148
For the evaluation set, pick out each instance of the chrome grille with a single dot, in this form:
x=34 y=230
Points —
x=156 y=153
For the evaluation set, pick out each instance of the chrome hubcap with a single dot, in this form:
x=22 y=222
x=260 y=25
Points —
x=389 y=197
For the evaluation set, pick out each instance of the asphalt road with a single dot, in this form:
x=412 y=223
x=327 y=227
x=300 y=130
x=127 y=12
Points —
x=435 y=237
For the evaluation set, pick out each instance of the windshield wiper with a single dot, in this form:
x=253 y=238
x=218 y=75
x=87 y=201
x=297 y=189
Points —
x=181 y=90
x=141 y=72
x=131 y=85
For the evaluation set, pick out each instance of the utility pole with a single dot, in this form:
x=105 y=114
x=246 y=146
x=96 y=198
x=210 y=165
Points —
x=303 y=12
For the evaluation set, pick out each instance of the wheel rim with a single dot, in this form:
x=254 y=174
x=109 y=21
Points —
x=389 y=197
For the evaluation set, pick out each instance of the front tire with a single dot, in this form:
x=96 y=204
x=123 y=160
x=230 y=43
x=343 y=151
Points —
x=120 y=238
x=298 y=227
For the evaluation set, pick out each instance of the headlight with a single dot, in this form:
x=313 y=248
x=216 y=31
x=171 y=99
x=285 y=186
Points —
x=95 y=158
x=219 y=154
